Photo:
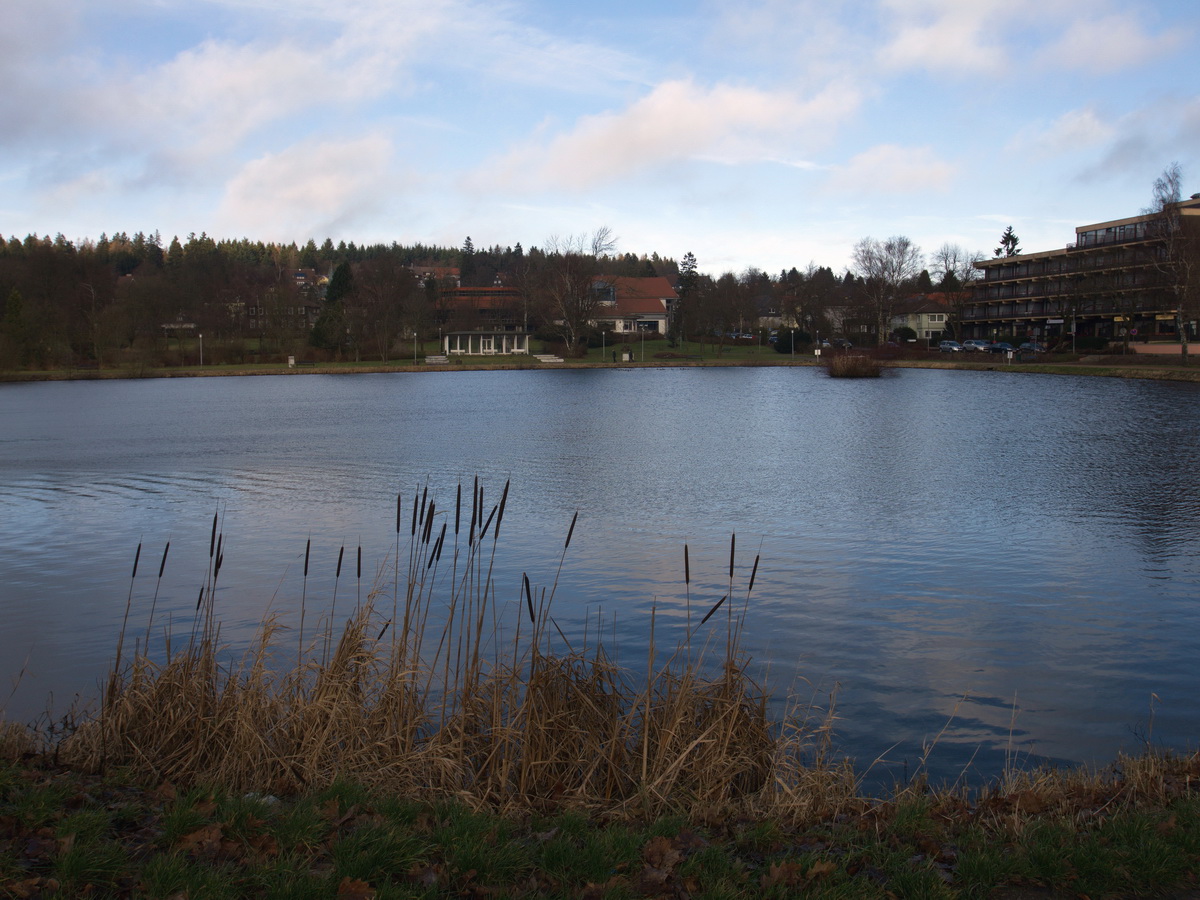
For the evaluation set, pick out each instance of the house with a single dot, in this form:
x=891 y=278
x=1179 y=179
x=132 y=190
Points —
x=481 y=321
x=447 y=275
x=633 y=305
x=926 y=314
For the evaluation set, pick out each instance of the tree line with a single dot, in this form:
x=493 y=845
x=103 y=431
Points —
x=122 y=299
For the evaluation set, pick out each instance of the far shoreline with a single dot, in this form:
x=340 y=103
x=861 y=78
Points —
x=1137 y=367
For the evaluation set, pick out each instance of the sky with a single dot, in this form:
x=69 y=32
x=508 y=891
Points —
x=752 y=133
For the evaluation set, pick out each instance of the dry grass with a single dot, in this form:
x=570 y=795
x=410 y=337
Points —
x=416 y=693
x=846 y=365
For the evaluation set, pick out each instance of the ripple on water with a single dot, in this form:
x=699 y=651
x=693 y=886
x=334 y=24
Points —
x=931 y=546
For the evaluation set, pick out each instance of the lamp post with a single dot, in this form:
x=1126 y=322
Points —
x=201 y=350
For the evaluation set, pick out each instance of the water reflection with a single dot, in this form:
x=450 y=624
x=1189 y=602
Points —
x=1026 y=542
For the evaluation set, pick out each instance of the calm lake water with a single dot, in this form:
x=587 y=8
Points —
x=1014 y=555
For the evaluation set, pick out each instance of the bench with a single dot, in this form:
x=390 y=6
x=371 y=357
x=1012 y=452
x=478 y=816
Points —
x=436 y=360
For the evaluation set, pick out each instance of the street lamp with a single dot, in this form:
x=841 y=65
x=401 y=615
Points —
x=202 y=350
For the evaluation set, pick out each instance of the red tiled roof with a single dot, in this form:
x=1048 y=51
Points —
x=919 y=303
x=656 y=287
x=635 y=306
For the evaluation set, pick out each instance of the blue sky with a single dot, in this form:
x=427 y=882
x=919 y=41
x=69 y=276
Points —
x=752 y=133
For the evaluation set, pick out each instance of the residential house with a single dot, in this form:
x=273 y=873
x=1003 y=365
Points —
x=444 y=275
x=925 y=314
x=631 y=305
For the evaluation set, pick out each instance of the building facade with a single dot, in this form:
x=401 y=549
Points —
x=632 y=305
x=1109 y=283
x=925 y=314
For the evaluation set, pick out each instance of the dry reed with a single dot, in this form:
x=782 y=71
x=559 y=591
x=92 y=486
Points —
x=846 y=365
x=416 y=693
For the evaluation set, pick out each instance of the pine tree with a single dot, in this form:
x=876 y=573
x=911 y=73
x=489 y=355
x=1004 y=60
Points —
x=1008 y=243
x=686 y=288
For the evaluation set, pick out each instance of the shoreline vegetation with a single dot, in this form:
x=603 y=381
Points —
x=439 y=742
x=656 y=354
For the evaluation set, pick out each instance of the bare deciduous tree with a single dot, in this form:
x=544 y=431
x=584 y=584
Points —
x=1175 y=248
x=956 y=272
x=883 y=266
x=566 y=280
x=386 y=292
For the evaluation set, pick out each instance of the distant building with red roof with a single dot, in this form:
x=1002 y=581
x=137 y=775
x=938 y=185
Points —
x=926 y=314
x=630 y=304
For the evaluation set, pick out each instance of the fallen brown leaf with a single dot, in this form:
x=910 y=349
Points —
x=202 y=839
x=661 y=853
x=785 y=874
x=354 y=889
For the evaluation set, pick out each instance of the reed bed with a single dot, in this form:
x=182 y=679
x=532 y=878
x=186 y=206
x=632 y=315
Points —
x=846 y=365
x=416 y=692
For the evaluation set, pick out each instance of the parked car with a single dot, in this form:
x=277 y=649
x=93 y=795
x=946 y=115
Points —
x=950 y=347
x=1033 y=347
x=974 y=344
x=1001 y=347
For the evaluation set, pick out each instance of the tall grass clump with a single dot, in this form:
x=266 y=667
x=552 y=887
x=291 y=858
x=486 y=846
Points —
x=845 y=365
x=431 y=687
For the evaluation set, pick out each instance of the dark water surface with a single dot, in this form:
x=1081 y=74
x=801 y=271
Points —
x=1028 y=543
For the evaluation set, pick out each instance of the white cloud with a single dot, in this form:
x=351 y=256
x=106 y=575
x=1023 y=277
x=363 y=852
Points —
x=1144 y=140
x=890 y=169
x=676 y=121
x=1073 y=132
x=1108 y=44
x=984 y=36
x=945 y=34
x=309 y=188
x=33 y=38
x=208 y=99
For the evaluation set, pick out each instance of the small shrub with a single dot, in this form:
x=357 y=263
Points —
x=784 y=340
x=843 y=365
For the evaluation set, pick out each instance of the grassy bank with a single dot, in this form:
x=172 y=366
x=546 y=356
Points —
x=430 y=741
x=658 y=354
x=64 y=833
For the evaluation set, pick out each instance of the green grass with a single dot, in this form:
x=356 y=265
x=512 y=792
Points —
x=67 y=834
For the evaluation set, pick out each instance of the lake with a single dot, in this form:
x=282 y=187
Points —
x=1009 y=561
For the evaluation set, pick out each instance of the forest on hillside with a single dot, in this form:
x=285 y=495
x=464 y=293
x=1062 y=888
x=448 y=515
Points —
x=130 y=301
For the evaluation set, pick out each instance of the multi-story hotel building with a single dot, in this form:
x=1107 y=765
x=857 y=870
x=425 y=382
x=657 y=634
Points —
x=1108 y=283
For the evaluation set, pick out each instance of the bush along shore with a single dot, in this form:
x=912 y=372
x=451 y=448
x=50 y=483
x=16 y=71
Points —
x=415 y=751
